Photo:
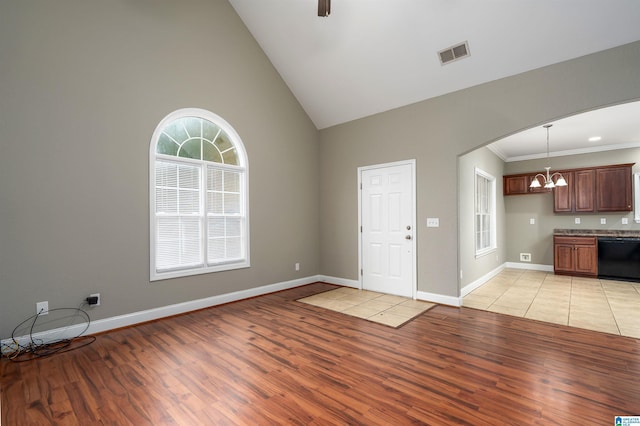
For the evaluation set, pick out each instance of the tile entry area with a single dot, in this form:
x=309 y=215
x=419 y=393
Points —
x=386 y=309
x=590 y=303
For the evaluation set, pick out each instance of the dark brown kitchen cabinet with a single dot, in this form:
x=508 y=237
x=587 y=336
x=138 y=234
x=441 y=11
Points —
x=588 y=190
x=514 y=185
x=519 y=185
x=575 y=256
x=596 y=189
x=614 y=188
x=563 y=198
x=578 y=195
x=584 y=190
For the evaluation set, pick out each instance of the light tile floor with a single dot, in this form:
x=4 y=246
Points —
x=377 y=307
x=601 y=305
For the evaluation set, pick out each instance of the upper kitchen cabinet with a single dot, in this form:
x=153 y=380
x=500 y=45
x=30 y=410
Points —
x=515 y=185
x=519 y=185
x=614 y=188
x=578 y=195
x=597 y=189
x=588 y=190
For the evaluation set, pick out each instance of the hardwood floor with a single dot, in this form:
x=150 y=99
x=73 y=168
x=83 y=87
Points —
x=272 y=360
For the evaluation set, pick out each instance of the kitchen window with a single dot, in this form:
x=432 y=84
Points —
x=198 y=196
x=485 y=212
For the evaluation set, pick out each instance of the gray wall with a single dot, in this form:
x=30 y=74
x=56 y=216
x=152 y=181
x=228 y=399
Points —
x=435 y=132
x=83 y=84
x=471 y=267
x=537 y=239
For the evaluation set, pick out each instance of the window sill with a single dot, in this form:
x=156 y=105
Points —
x=485 y=252
x=159 y=276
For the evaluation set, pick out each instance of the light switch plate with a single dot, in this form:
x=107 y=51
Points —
x=577 y=221
x=433 y=222
x=532 y=221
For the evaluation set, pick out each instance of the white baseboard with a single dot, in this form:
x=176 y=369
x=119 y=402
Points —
x=438 y=298
x=125 y=320
x=339 y=281
x=483 y=279
x=530 y=266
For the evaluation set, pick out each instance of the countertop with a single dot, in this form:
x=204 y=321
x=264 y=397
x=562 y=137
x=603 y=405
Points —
x=596 y=233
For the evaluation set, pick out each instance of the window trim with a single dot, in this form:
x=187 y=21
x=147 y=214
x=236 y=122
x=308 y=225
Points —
x=243 y=166
x=492 y=213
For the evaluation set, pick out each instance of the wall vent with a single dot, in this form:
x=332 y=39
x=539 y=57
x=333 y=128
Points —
x=454 y=53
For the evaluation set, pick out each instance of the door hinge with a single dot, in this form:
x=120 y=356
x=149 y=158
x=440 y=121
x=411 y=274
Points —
x=361 y=229
x=361 y=185
x=361 y=273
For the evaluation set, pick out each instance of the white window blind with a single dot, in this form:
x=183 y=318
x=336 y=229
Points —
x=225 y=222
x=179 y=223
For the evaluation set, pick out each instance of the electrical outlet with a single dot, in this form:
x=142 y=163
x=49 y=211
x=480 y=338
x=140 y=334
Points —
x=42 y=308
x=433 y=222
x=603 y=221
x=625 y=221
x=525 y=257
x=96 y=295
x=577 y=221
x=532 y=221
x=297 y=266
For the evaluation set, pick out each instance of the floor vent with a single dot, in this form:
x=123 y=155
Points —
x=454 y=53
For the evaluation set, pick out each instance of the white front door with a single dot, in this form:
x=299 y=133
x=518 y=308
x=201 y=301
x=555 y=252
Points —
x=387 y=219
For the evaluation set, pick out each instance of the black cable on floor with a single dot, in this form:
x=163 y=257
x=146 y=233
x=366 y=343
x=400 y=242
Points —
x=33 y=349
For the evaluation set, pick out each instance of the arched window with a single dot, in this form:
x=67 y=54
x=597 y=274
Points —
x=198 y=196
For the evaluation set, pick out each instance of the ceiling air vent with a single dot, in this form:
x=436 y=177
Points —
x=454 y=53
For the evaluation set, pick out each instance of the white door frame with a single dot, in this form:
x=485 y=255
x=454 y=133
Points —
x=414 y=268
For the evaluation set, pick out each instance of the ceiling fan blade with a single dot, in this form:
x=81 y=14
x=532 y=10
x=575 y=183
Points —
x=324 y=8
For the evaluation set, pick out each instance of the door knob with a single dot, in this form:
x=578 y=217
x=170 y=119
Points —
x=408 y=237
x=408 y=227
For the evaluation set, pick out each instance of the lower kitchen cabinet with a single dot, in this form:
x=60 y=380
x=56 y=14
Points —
x=575 y=256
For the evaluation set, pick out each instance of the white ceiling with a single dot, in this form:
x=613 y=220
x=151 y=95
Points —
x=371 y=56
x=618 y=126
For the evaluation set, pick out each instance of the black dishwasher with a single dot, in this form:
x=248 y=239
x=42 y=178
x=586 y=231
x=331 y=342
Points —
x=619 y=258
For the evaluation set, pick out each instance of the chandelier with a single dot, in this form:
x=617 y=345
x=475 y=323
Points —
x=548 y=179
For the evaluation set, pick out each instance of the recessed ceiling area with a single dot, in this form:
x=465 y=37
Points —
x=616 y=127
x=370 y=56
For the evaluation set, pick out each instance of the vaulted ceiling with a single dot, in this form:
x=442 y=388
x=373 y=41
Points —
x=370 y=56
